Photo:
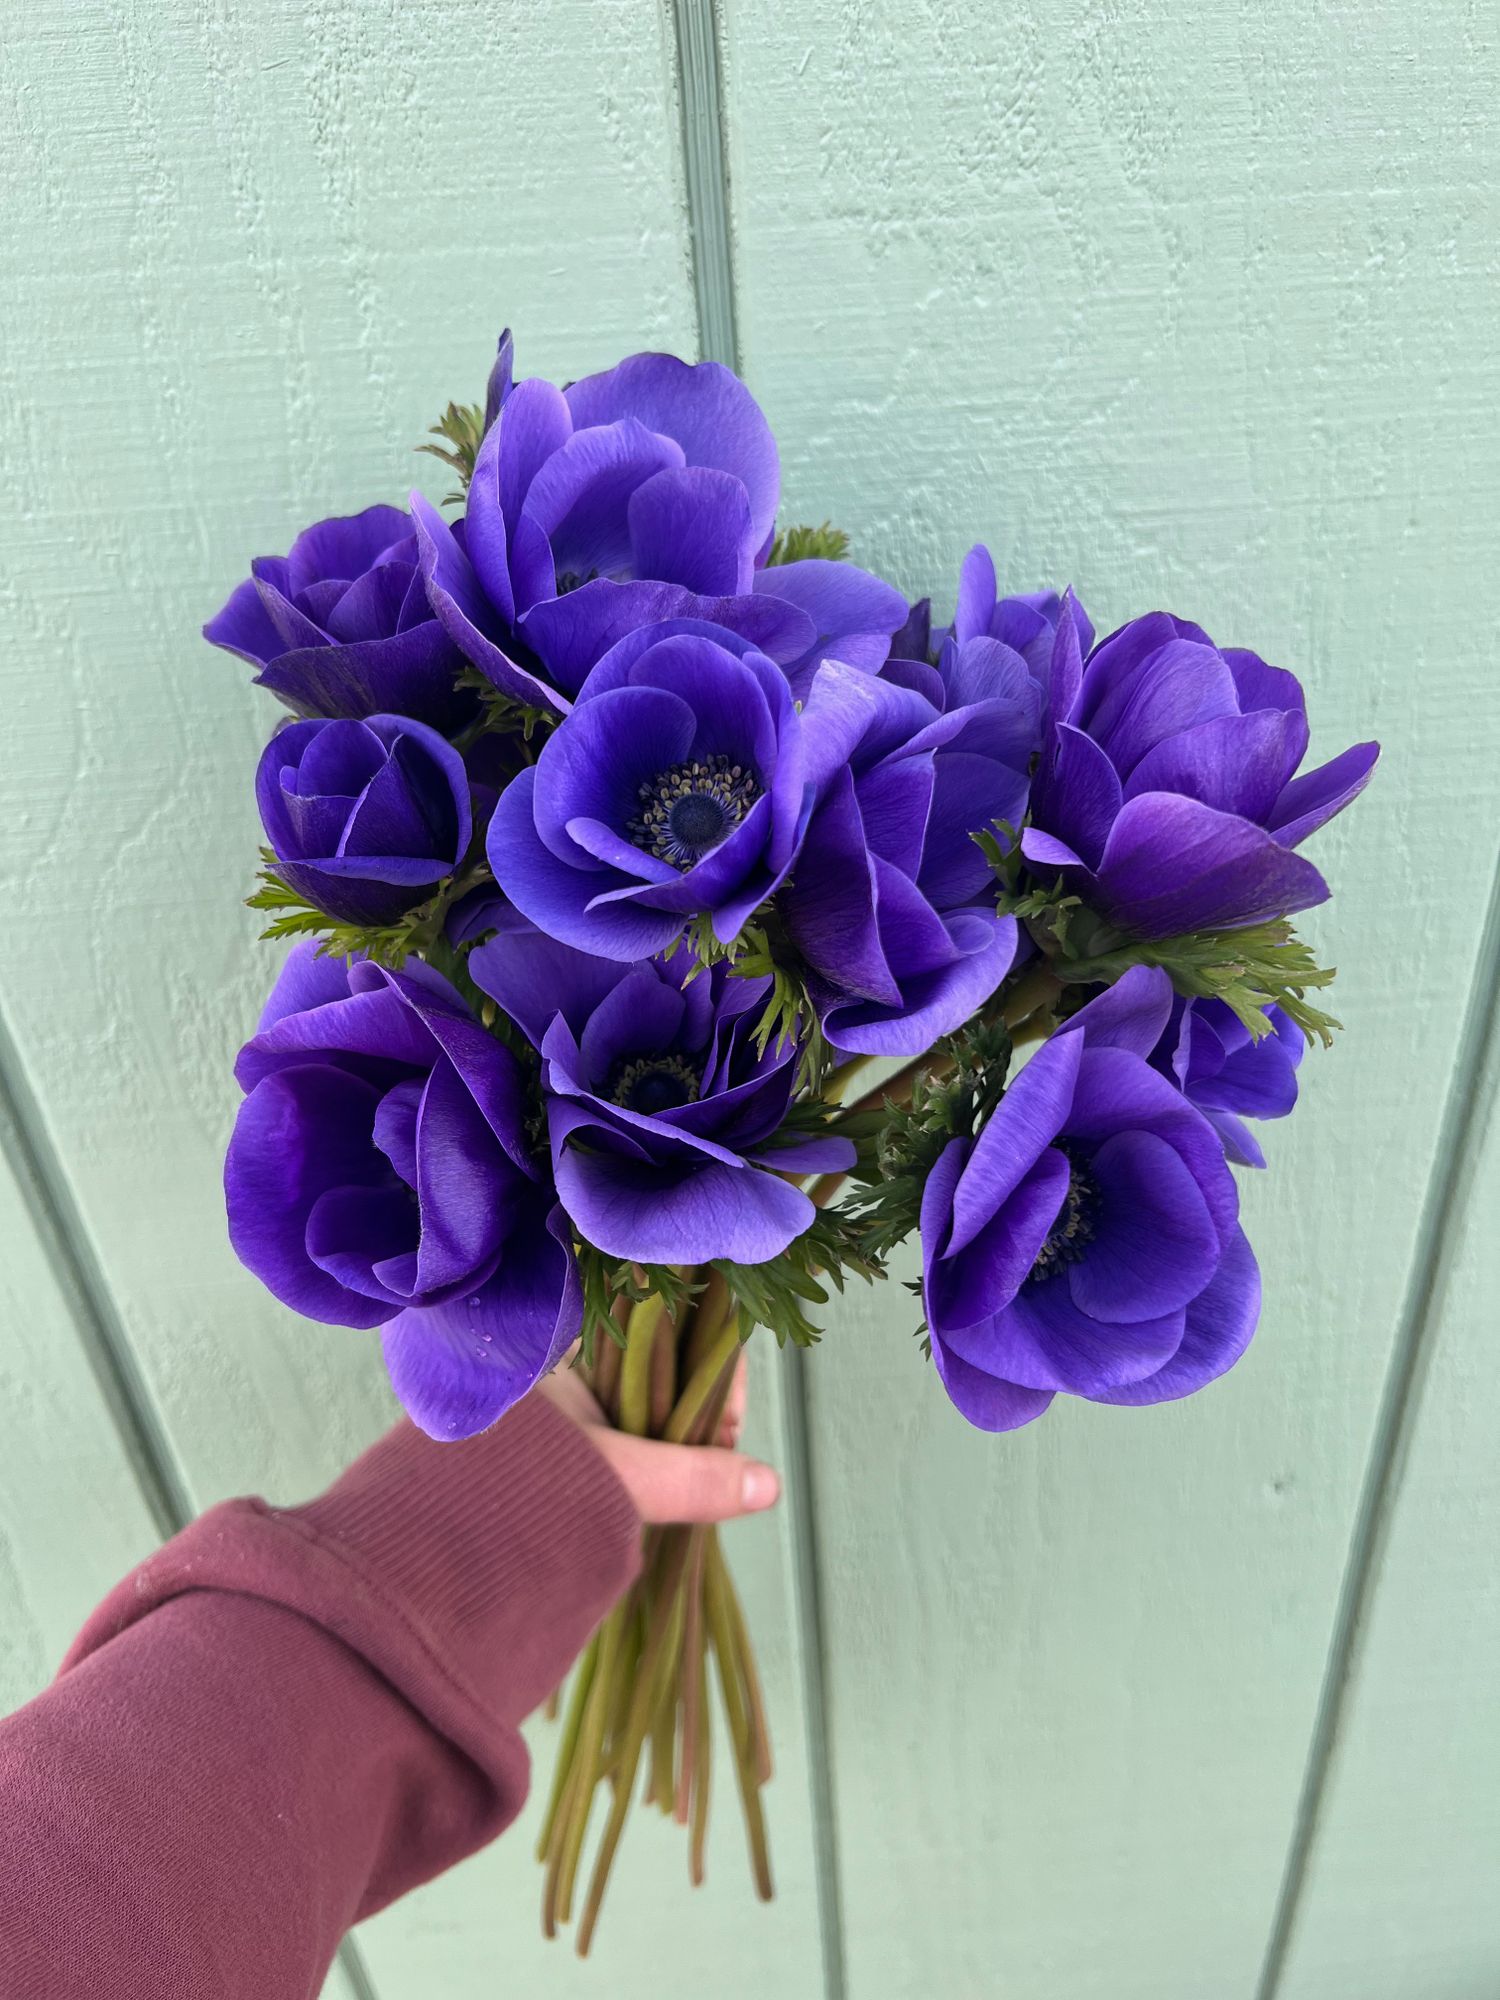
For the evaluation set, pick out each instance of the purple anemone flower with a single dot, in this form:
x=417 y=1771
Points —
x=664 y=1118
x=1212 y=1057
x=998 y=648
x=342 y=626
x=1088 y=1241
x=1027 y=623
x=642 y=494
x=365 y=818
x=1167 y=796
x=379 y=1175
x=891 y=903
x=674 y=789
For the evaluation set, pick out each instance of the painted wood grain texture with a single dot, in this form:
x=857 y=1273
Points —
x=1189 y=306
x=1399 y=1894
x=249 y=251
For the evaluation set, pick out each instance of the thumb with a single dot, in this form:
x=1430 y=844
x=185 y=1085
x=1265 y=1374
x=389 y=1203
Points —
x=687 y=1482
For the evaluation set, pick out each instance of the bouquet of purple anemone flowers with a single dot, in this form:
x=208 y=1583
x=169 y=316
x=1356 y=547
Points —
x=686 y=921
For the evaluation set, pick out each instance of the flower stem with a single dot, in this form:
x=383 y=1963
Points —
x=635 y=1366
x=1038 y=989
x=634 y=1736
x=567 y=1741
x=721 y=1634
x=716 y=1363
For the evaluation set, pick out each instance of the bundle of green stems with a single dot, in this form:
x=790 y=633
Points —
x=640 y=1691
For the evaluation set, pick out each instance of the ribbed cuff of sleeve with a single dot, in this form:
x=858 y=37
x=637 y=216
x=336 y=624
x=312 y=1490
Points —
x=467 y=1575
x=505 y=1549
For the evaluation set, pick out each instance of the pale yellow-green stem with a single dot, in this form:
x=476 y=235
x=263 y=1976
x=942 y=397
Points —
x=702 y=1382
x=641 y=1331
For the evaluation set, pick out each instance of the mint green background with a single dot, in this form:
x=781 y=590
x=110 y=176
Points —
x=1192 y=306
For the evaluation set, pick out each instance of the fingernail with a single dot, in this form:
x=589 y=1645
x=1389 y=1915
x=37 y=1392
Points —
x=760 y=1488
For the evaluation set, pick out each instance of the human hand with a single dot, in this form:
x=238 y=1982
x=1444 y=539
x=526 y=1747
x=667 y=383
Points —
x=672 y=1482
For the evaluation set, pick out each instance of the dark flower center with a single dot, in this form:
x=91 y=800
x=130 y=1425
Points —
x=651 y=1084
x=1073 y=1231
x=572 y=579
x=685 y=812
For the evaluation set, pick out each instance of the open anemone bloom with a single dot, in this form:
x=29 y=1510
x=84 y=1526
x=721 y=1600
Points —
x=891 y=903
x=641 y=494
x=1087 y=1242
x=1218 y=1065
x=342 y=626
x=1167 y=796
x=364 y=818
x=379 y=1175
x=663 y=1116
x=674 y=789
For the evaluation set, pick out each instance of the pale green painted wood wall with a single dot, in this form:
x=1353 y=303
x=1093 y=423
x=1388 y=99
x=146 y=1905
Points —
x=1192 y=306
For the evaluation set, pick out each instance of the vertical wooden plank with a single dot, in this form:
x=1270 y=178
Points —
x=1397 y=1895
x=1187 y=307
x=251 y=248
x=73 y=1515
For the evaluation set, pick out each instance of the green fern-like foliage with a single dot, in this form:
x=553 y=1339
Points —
x=827 y=543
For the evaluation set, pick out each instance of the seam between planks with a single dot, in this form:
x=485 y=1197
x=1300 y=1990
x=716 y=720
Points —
x=812 y=1653
x=1444 y=1207
x=59 y=1228
x=706 y=177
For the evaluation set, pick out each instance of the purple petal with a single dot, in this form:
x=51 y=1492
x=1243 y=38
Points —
x=1081 y=798
x=1132 y=1014
x=1220 y=1322
x=979 y=1282
x=691 y=525
x=580 y=496
x=705 y=408
x=988 y=1403
x=306 y=980
x=1312 y=800
x=299 y=1132
x=664 y=1216
x=534 y=977
x=969 y=793
x=977 y=591
x=1065 y=670
x=830 y=907
x=1235 y=763
x=1182 y=684
x=854 y=613
x=572 y=633
x=411 y=673
x=1154 y=1246
x=595 y=767
x=372 y=605
x=1172 y=865
x=242 y=627
x=1044 y=1340
x=345 y=546
x=456 y=1368
x=561 y=899
x=1028 y=1118
x=932 y=1003
x=471 y=622
x=465 y=1188
x=808 y=1155
x=641 y=1015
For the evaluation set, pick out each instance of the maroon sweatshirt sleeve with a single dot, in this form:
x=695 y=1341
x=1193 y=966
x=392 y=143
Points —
x=289 y=1716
